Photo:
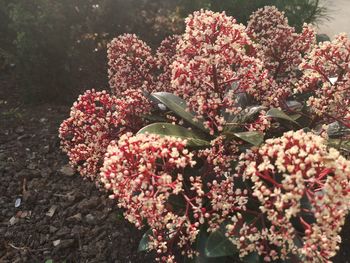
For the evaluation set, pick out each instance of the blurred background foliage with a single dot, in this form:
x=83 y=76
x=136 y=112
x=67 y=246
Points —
x=57 y=49
x=297 y=11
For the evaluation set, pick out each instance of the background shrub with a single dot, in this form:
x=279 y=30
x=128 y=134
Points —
x=59 y=47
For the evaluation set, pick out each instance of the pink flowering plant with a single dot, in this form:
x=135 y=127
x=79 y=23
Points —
x=227 y=141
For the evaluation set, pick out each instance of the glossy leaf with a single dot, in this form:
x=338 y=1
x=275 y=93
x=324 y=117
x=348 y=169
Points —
x=246 y=115
x=143 y=245
x=179 y=107
x=218 y=245
x=201 y=242
x=277 y=113
x=168 y=129
x=294 y=105
x=254 y=137
x=335 y=129
x=340 y=144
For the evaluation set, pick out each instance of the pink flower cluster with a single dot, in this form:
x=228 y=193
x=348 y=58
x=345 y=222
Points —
x=130 y=64
x=146 y=174
x=327 y=74
x=133 y=66
x=280 y=49
x=285 y=199
x=96 y=119
x=304 y=191
x=212 y=54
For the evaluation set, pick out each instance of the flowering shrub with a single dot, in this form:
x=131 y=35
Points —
x=226 y=142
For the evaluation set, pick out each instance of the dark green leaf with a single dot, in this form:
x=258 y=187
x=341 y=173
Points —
x=246 y=115
x=340 y=144
x=254 y=137
x=295 y=116
x=218 y=245
x=294 y=105
x=143 y=245
x=179 y=107
x=335 y=129
x=168 y=129
x=277 y=113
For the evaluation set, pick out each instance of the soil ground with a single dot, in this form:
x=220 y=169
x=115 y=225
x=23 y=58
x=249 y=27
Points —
x=57 y=216
x=45 y=213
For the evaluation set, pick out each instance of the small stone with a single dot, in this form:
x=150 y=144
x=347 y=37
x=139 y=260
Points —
x=66 y=243
x=67 y=170
x=90 y=219
x=13 y=220
x=18 y=202
x=76 y=217
x=51 y=211
x=56 y=242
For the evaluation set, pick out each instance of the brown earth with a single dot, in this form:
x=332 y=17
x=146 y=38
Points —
x=58 y=216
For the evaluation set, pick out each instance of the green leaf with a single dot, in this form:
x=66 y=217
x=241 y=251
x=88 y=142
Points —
x=277 y=113
x=201 y=242
x=295 y=116
x=218 y=245
x=179 y=107
x=246 y=115
x=49 y=261
x=336 y=130
x=143 y=245
x=168 y=129
x=340 y=144
x=254 y=137
x=294 y=105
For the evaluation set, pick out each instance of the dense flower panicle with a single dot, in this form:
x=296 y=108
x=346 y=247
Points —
x=297 y=180
x=327 y=74
x=280 y=48
x=165 y=56
x=219 y=157
x=131 y=64
x=263 y=123
x=210 y=55
x=86 y=134
x=226 y=199
x=130 y=109
x=96 y=119
x=144 y=172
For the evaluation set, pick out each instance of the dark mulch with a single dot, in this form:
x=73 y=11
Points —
x=59 y=217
